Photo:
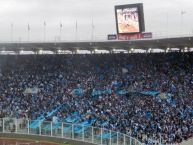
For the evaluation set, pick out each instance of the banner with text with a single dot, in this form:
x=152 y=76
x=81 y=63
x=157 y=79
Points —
x=145 y=35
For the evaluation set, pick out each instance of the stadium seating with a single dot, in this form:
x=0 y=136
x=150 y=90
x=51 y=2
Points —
x=142 y=95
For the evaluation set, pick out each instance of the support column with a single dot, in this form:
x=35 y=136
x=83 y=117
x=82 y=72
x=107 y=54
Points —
x=130 y=139
x=40 y=128
x=51 y=129
x=92 y=135
x=111 y=51
x=101 y=136
x=82 y=133
x=188 y=49
x=28 y=126
x=17 y=52
x=117 y=138
x=124 y=140
x=55 y=52
x=62 y=130
x=91 y=51
x=3 y=125
x=15 y=125
x=110 y=137
x=72 y=131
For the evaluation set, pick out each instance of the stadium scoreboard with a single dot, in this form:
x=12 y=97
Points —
x=129 y=18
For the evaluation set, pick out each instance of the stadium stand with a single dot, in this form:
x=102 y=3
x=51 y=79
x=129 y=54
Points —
x=147 y=96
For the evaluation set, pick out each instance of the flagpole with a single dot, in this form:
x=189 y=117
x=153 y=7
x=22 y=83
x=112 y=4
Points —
x=60 y=32
x=92 y=30
x=181 y=22
x=181 y=25
x=76 y=31
x=28 y=31
x=44 y=31
x=11 y=35
x=167 y=24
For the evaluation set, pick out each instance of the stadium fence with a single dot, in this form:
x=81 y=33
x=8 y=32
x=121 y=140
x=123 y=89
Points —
x=77 y=132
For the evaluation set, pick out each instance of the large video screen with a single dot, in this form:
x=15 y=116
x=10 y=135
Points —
x=128 y=18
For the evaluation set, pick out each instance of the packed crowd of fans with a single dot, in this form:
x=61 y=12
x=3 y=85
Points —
x=32 y=85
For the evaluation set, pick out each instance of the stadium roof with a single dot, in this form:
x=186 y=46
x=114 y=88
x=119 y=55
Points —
x=165 y=43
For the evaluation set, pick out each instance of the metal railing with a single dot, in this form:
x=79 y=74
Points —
x=89 y=134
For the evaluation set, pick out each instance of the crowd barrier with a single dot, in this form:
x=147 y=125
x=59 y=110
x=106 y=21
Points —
x=89 y=134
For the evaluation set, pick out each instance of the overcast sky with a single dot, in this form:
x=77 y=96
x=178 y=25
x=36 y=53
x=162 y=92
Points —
x=35 y=12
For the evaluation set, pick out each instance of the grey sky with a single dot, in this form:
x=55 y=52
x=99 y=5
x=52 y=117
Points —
x=34 y=12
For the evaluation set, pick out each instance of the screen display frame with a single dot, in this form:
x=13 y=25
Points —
x=139 y=7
